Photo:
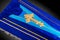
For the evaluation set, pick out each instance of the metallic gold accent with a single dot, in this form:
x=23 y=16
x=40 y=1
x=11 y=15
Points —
x=29 y=17
x=40 y=13
x=26 y=29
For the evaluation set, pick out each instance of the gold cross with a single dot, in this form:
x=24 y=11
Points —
x=29 y=17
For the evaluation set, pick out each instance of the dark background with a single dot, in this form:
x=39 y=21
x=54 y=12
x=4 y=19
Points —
x=51 y=5
x=4 y=36
x=3 y=4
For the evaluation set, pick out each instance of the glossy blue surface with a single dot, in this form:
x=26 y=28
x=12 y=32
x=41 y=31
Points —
x=14 y=8
x=46 y=26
